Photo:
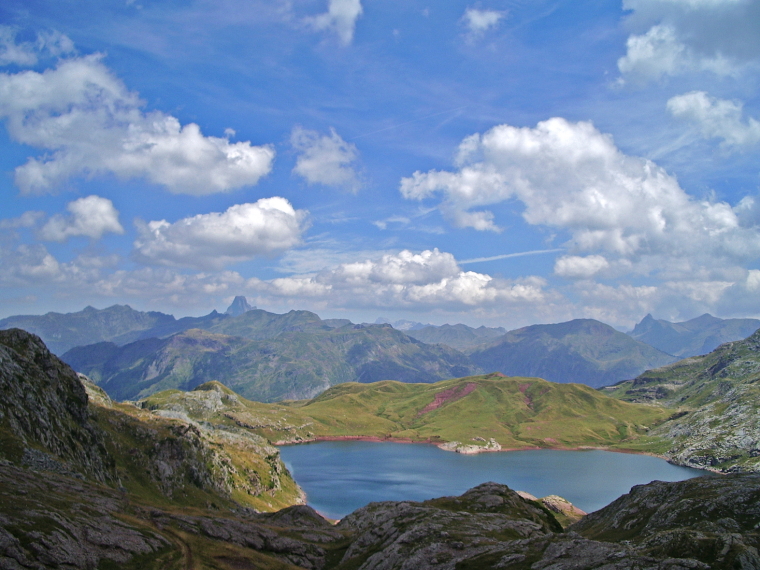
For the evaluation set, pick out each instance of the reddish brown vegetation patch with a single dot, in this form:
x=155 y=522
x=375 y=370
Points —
x=450 y=395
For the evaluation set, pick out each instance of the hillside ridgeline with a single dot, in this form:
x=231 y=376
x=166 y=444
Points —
x=716 y=399
x=269 y=358
x=694 y=337
x=468 y=415
x=460 y=337
x=56 y=421
x=584 y=351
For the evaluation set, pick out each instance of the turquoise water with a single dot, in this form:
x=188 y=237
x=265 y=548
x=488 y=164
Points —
x=341 y=476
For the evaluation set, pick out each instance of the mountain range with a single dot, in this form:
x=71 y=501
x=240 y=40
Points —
x=267 y=357
x=296 y=355
x=583 y=350
x=694 y=337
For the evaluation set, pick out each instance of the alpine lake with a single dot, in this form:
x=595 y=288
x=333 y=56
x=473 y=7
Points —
x=342 y=476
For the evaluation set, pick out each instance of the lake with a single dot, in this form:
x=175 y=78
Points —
x=341 y=476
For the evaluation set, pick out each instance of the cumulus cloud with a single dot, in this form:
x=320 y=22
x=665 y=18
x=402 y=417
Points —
x=659 y=53
x=92 y=217
x=212 y=241
x=430 y=278
x=90 y=124
x=325 y=159
x=25 y=220
x=340 y=18
x=716 y=118
x=28 y=264
x=577 y=267
x=480 y=21
x=687 y=36
x=50 y=43
x=572 y=177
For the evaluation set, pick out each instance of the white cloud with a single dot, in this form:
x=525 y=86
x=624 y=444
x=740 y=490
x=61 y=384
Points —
x=659 y=52
x=25 y=54
x=716 y=118
x=430 y=278
x=689 y=36
x=480 y=21
x=28 y=264
x=576 y=267
x=215 y=240
x=325 y=159
x=92 y=217
x=25 y=220
x=340 y=18
x=91 y=125
x=572 y=177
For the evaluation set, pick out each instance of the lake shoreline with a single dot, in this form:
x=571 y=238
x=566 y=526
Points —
x=441 y=444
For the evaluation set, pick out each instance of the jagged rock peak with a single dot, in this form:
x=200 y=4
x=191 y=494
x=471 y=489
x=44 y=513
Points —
x=239 y=306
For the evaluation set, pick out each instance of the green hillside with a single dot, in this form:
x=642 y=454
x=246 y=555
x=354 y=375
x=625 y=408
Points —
x=292 y=364
x=717 y=397
x=514 y=412
x=583 y=350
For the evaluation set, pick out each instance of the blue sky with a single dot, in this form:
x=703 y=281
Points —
x=494 y=162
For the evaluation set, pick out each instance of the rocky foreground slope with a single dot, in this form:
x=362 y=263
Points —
x=92 y=484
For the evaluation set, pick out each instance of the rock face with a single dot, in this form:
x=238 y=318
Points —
x=713 y=519
x=47 y=425
x=701 y=523
x=44 y=418
x=238 y=307
x=715 y=400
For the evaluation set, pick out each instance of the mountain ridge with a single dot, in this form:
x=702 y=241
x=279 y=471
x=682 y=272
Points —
x=581 y=350
x=694 y=337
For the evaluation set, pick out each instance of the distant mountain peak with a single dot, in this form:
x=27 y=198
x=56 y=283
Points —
x=401 y=325
x=239 y=306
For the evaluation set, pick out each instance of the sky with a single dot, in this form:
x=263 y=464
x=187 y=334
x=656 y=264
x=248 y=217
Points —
x=498 y=163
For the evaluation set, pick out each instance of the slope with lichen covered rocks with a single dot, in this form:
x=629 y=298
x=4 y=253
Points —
x=714 y=402
x=53 y=422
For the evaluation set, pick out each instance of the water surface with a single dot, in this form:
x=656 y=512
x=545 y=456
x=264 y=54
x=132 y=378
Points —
x=341 y=476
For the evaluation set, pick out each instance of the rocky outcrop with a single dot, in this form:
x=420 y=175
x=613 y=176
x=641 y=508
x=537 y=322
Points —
x=489 y=526
x=563 y=510
x=715 y=520
x=471 y=448
x=55 y=521
x=52 y=420
x=44 y=417
x=714 y=399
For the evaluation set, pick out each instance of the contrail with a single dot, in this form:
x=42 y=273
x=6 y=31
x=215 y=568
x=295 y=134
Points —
x=508 y=255
x=408 y=122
